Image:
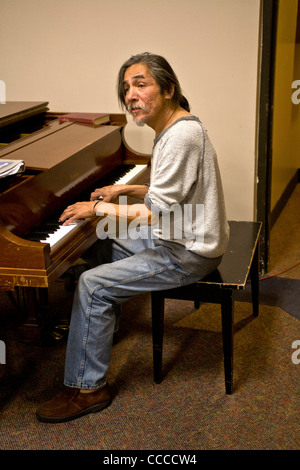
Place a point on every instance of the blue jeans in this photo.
(131, 267)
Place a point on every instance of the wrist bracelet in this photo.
(97, 202)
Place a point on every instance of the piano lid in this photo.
(75, 156)
(54, 144)
(15, 111)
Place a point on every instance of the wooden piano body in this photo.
(64, 163)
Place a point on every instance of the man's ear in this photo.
(169, 94)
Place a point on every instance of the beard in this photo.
(139, 122)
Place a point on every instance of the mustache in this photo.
(132, 106)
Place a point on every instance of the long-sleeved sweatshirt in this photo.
(186, 190)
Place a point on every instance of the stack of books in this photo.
(95, 119)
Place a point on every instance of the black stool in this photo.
(240, 260)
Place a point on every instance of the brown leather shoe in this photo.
(71, 404)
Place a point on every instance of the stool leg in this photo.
(227, 331)
(157, 334)
(255, 282)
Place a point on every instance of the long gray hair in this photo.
(162, 73)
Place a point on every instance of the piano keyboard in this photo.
(136, 170)
(56, 234)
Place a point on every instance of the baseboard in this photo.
(280, 204)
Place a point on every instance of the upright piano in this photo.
(64, 163)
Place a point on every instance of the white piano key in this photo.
(64, 231)
(61, 233)
(131, 174)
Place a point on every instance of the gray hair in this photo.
(162, 73)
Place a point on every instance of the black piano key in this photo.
(50, 226)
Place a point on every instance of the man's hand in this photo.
(80, 210)
(108, 193)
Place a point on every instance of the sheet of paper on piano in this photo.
(11, 167)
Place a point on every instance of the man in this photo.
(184, 175)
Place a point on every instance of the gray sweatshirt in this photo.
(186, 191)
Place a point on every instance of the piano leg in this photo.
(37, 314)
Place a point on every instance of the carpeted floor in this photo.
(189, 410)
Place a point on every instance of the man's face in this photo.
(143, 98)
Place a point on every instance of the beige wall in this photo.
(68, 52)
(286, 120)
